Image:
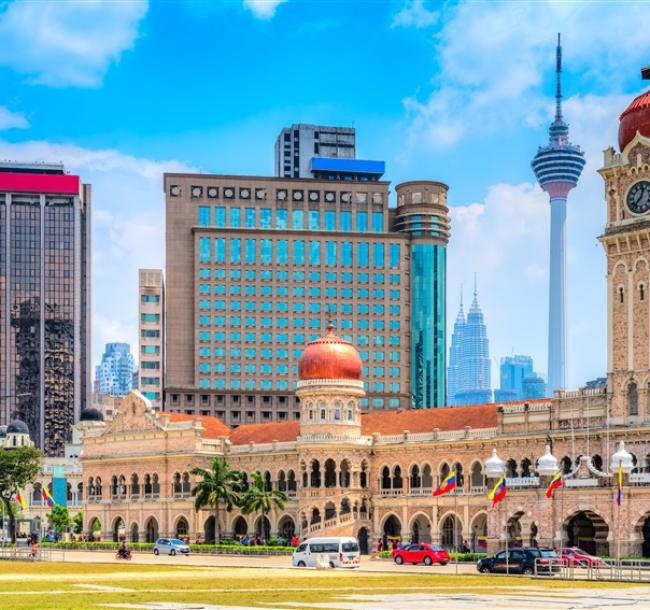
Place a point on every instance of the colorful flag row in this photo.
(19, 497)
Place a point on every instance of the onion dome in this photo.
(91, 415)
(494, 466)
(547, 465)
(636, 117)
(330, 357)
(17, 426)
(621, 457)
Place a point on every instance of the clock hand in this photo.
(644, 200)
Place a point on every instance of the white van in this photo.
(340, 552)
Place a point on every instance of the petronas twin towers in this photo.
(468, 375)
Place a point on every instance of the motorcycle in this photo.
(123, 554)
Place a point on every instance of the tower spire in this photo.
(475, 288)
(461, 296)
(558, 77)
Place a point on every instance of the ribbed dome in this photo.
(17, 426)
(91, 415)
(329, 357)
(636, 117)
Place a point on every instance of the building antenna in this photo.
(558, 77)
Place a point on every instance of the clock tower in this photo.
(626, 241)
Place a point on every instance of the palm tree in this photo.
(219, 486)
(259, 497)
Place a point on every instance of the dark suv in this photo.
(520, 561)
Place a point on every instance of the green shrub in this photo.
(227, 547)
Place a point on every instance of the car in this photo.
(170, 546)
(577, 558)
(421, 553)
(520, 561)
(335, 552)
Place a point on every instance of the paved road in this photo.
(243, 561)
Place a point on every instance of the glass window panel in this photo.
(330, 220)
(363, 255)
(282, 252)
(204, 249)
(250, 251)
(204, 216)
(314, 220)
(346, 221)
(266, 252)
(235, 218)
(298, 252)
(250, 218)
(297, 219)
(394, 255)
(330, 253)
(220, 217)
(378, 256)
(314, 252)
(235, 250)
(265, 218)
(220, 250)
(378, 222)
(281, 219)
(362, 222)
(346, 254)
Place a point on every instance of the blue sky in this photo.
(459, 92)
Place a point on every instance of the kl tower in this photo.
(557, 167)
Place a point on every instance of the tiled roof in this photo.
(214, 427)
(265, 433)
(425, 420)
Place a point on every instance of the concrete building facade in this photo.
(256, 266)
(151, 333)
(45, 296)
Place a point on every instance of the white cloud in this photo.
(491, 58)
(128, 215)
(68, 43)
(263, 9)
(415, 14)
(12, 120)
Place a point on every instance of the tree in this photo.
(219, 487)
(78, 523)
(18, 468)
(259, 497)
(59, 518)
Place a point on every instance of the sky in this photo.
(460, 92)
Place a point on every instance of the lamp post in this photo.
(547, 467)
(621, 460)
(495, 468)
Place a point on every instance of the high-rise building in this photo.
(557, 167)
(151, 333)
(454, 371)
(256, 266)
(518, 380)
(471, 358)
(296, 146)
(44, 300)
(114, 375)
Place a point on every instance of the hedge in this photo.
(221, 549)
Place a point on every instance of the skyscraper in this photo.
(470, 353)
(151, 308)
(557, 167)
(114, 375)
(44, 300)
(256, 266)
(518, 381)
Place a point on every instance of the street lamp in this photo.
(547, 467)
(622, 460)
(495, 468)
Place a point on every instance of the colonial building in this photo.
(372, 475)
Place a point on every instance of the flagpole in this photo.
(505, 529)
(456, 520)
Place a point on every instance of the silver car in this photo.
(170, 546)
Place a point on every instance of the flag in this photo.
(619, 495)
(499, 492)
(447, 485)
(555, 483)
(47, 497)
(21, 500)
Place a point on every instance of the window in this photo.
(249, 218)
(282, 252)
(266, 251)
(298, 252)
(235, 251)
(620, 294)
(220, 250)
(330, 253)
(297, 219)
(235, 218)
(641, 292)
(378, 222)
(345, 219)
(153, 349)
(314, 291)
(362, 222)
(394, 255)
(150, 317)
(204, 216)
(265, 218)
(314, 220)
(204, 249)
(281, 219)
(346, 254)
(632, 400)
(314, 252)
(362, 255)
(250, 251)
(330, 220)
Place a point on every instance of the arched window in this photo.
(98, 488)
(91, 489)
(186, 484)
(565, 464)
(155, 486)
(632, 399)
(315, 474)
(330, 473)
(363, 475)
(135, 486)
(291, 481)
(427, 477)
(244, 481)
(268, 483)
(460, 477)
(526, 467)
(176, 485)
(597, 462)
(385, 478)
(121, 487)
(282, 481)
(113, 487)
(641, 292)
(397, 478)
(620, 294)
(415, 479)
(344, 474)
(148, 490)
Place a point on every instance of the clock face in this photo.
(638, 197)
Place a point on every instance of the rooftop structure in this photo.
(557, 167)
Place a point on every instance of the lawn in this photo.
(96, 585)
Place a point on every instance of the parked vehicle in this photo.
(342, 552)
(520, 561)
(170, 546)
(577, 558)
(421, 553)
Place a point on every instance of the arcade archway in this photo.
(588, 531)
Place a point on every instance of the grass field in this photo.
(94, 585)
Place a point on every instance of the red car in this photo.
(578, 558)
(421, 553)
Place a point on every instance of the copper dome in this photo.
(329, 357)
(636, 117)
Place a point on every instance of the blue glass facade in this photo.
(428, 309)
